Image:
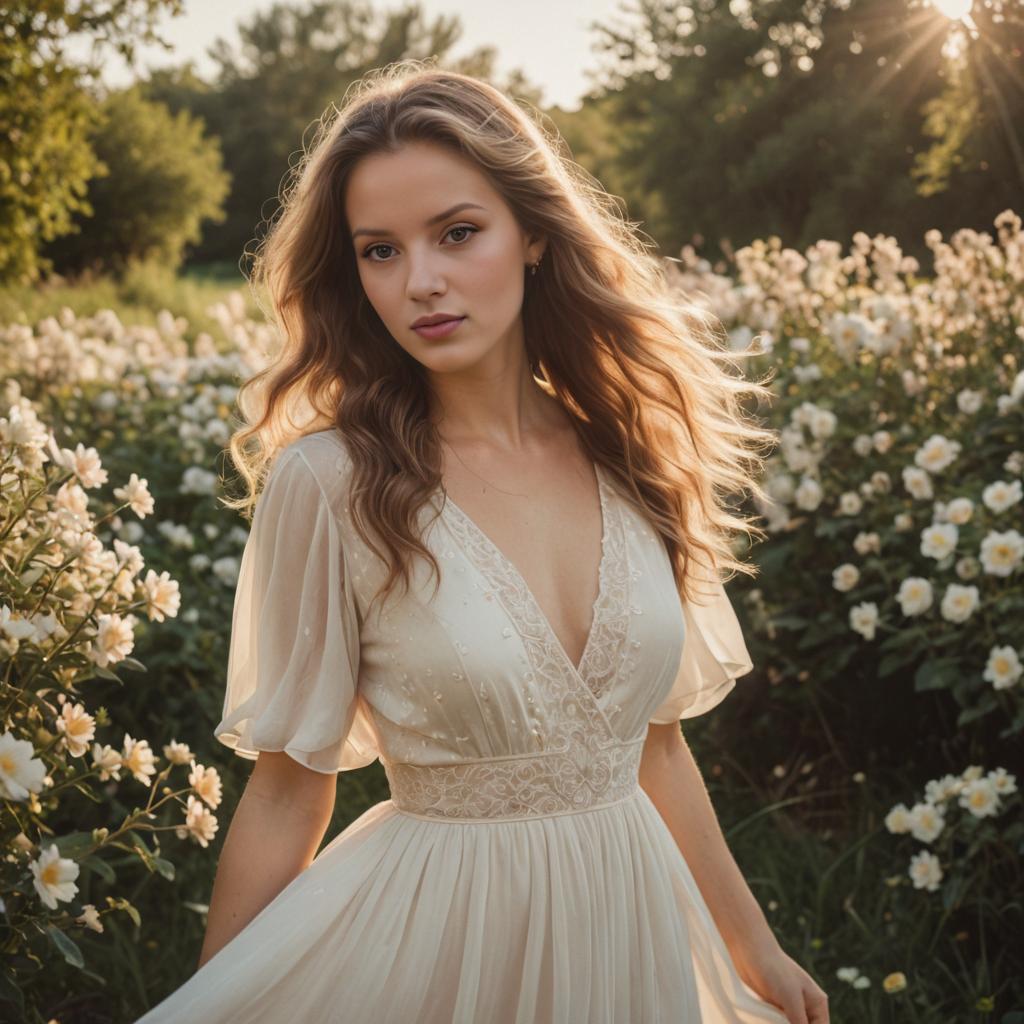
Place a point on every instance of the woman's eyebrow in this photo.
(433, 220)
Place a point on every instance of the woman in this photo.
(491, 374)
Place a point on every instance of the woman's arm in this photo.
(670, 777)
(274, 835)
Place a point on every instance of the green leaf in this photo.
(973, 714)
(131, 663)
(789, 622)
(66, 946)
(74, 845)
(937, 674)
(101, 868)
(165, 867)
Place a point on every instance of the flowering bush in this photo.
(70, 606)
(891, 596)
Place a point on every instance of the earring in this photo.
(534, 266)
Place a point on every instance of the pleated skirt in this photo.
(590, 916)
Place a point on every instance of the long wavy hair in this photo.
(647, 378)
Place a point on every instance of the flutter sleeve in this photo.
(293, 659)
(714, 655)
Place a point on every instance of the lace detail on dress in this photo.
(563, 686)
(602, 658)
(581, 778)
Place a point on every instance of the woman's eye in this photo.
(382, 245)
(463, 227)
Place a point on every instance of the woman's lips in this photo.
(441, 330)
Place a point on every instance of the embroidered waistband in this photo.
(532, 786)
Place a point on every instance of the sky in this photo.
(548, 39)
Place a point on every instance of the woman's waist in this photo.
(534, 785)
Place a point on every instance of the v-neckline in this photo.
(578, 670)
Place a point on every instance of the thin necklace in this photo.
(514, 494)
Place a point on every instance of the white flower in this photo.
(848, 974)
(939, 540)
(862, 981)
(54, 877)
(114, 639)
(1001, 495)
(1003, 668)
(849, 333)
(925, 871)
(845, 576)
(968, 567)
(823, 423)
(850, 503)
(903, 521)
(959, 603)
(21, 772)
(866, 543)
(979, 796)
(1004, 783)
(881, 482)
(917, 482)
(162, 595)
(177, 753)
(136, 494)
(1002, 553)
(926, 822)
(968, 401)
(897, 820)
(226, 569)
(85, 464)
(200, 824)
(915, 595)
(138, 759)
(937, 791)
(90, 918)
(882, 440)
(108, 760)
(862, 445)
(206, 783)
(959, 511)
(196, 480)
(77, 726)
(937, 453)
(15, 626)
(808, 494)
(864, 619)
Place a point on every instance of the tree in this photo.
(47, 113)
(290, 63)
(798, 118)
(161, 179)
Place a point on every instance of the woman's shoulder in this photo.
(324, 454)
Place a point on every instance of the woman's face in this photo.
(432, 235)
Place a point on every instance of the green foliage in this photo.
(733, 122)
(46, 115)
(161, 179)
(291, 62)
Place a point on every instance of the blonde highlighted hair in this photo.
(645, 376)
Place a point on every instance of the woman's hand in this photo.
(778, 978)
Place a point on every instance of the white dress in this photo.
(518, 873)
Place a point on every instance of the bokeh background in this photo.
(839, 182)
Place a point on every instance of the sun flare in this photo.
(955, 10)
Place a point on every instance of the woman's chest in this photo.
(470, 663)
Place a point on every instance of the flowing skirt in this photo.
(588, 916)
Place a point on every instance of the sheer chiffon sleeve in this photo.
(714, 655)
(293, 659)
